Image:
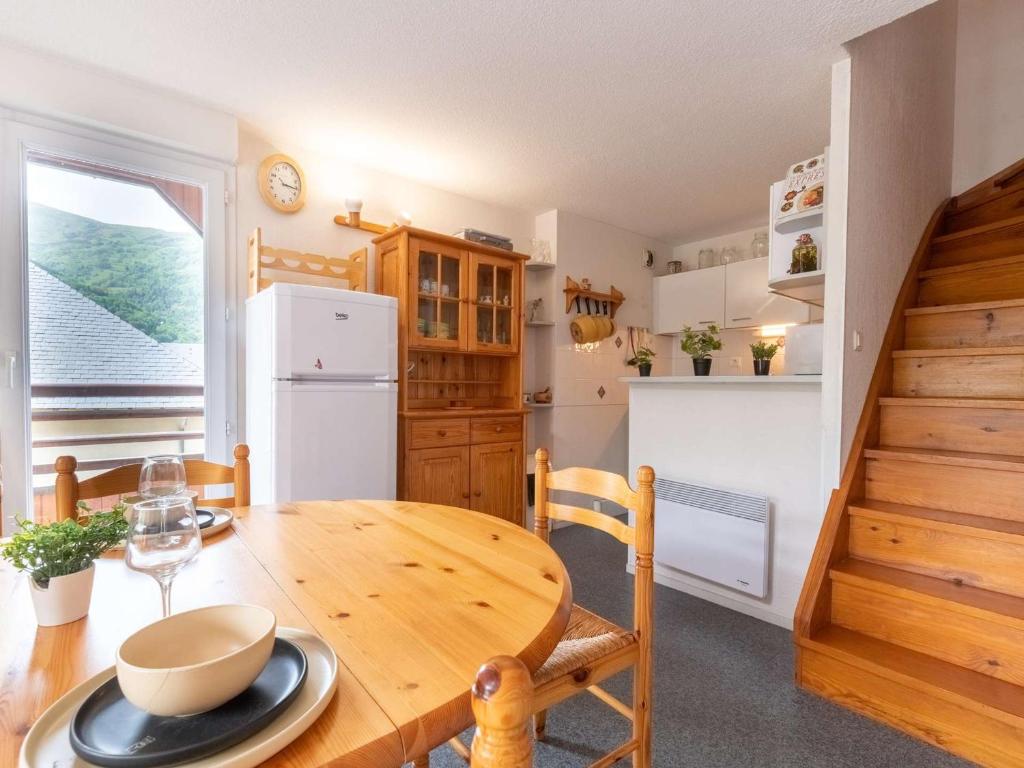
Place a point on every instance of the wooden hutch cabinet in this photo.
(460, 399)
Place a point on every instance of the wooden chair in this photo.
(124, 480)
(502, 703)
(592, 648)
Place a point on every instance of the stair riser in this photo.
(995, 376)
(1002, 207)
(969, 641)
(993, 283)
(1002, 327)
(993, 564)
(974, 430)
(1006, 241)
(935, 720)
(974, 491)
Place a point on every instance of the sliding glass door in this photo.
(114, 340)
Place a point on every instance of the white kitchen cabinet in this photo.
(695, 299)
(749, 303)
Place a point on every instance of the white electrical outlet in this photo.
(735, 363)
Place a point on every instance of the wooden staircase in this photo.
(912, 612)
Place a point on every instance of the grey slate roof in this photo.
(76, 341)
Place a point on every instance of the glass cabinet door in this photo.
(494, 314)
(438, 283)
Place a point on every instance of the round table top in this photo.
(412, 597)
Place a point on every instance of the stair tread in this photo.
(959, 352)
(973, 525)
(969, 307)
(973, 601)
(954, 402)
(918, 670)
(970, 266)
(981, 229)
(957, 458)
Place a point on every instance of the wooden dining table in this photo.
(412, 597)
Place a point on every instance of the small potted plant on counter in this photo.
(763, 353)
(58, 559)
(643, 360)
(699, 345)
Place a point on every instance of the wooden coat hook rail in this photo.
(597, 303)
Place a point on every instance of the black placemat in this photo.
(110, 731)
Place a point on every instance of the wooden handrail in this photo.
(814, 606)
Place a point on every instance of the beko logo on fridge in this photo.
(341, 315)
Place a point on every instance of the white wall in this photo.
(989, 125)
(587, 429)
(757, 437)
(900, 170)
(40, 85)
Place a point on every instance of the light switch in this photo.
(858, 342)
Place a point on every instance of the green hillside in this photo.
(148, 277)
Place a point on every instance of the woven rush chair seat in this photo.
(587, 638)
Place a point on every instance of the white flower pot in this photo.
(65, 599)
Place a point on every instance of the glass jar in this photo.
(727, 255)
(707, 258)
(759, 245)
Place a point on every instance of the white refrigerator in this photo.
(321, 394)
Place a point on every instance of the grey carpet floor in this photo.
(723, 688)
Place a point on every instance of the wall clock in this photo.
(282, 183)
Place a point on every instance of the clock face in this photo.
(285, 183)
(282, 183)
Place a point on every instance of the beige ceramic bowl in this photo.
(195, 661)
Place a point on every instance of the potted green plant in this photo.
(643, 360)
(763, 353)
(699, 345)
(58, 559)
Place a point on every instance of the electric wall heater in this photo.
(716, 534)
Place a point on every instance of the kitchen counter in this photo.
(759, 380)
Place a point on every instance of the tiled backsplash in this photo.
(591, 376)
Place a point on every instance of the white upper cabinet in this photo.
(749, 303)
(732, 296)
(695, 299)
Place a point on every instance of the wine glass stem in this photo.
(165, 593)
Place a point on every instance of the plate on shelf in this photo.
(48, 742)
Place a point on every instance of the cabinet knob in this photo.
(465, 495)
(442, 433)
(498, 429)
(476, 493)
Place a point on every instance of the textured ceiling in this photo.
(666, 117)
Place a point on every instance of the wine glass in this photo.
(162, 476)
(163, 536)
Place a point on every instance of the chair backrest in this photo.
(502, 705)
(612, 487)
(124, 481)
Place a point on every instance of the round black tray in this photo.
(205, 516)
(109, 731)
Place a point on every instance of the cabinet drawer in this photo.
(430, 433)
(498, 429)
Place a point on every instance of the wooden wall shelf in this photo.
(366, 226)
(574, 291)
